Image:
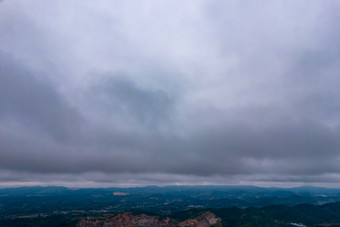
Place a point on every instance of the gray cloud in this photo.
(118, 94)
(34, 101)
(213, 92)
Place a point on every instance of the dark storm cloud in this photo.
(118, 94)
(32, 101)
(220, 92)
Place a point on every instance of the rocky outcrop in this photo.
(129, 220)
(204, 220)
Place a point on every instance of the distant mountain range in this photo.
(234, 205)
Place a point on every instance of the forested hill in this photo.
(234, 205)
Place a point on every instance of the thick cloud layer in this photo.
(169, 92)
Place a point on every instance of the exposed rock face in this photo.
(204, 220)
(120, 193)
(129, 220)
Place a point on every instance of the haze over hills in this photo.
(169, 206)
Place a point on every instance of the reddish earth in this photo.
(120, 193)
(206, 219)
(129, 220)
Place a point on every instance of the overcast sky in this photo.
(125, 93)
